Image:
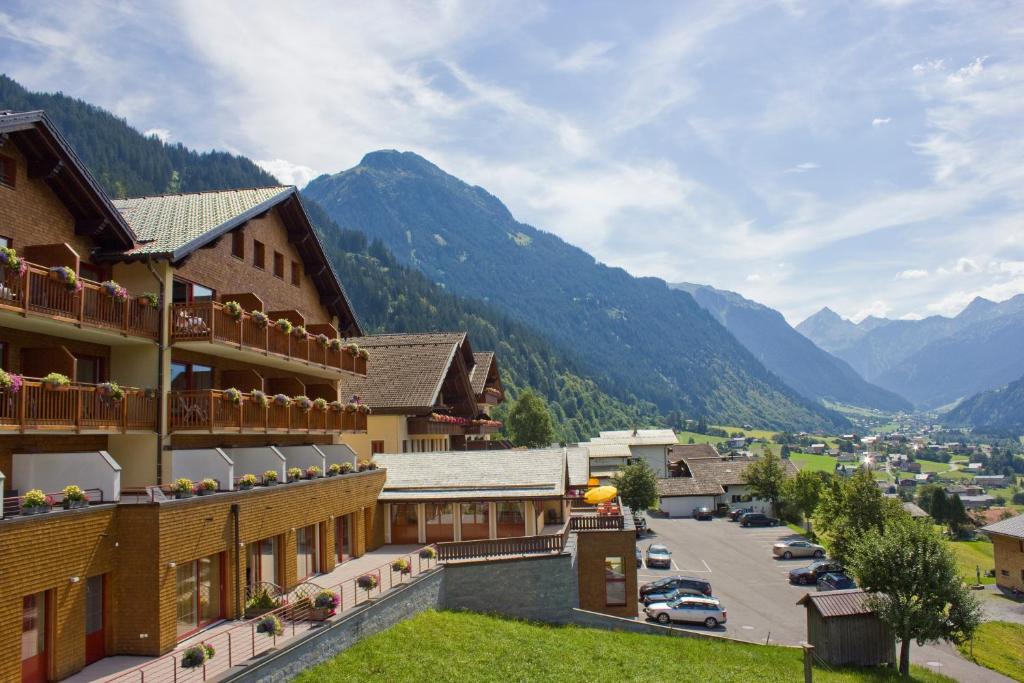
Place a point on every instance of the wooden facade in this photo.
(850, 635)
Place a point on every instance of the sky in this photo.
(865, 156)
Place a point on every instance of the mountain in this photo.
(813, 372)
(633, 336)
(998, 411)
(126, 163)
(387, 296)
(936, 360)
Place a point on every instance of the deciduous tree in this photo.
(765, 477)
(638, 486)
(846, 511)
(529, 422)
(803, 492)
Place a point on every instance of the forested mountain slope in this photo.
(999, 411)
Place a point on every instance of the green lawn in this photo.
(972, 554)
(684, 437)
(933, 466)
(450, 646)
(999, 645)
(815, 463)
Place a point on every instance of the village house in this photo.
(651, 445)
(1008, 551)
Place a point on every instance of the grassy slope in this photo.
(815, 463)
(999, 645)
(972, 554)
(447, 646)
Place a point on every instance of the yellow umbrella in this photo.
(592, 482)
(601, 494)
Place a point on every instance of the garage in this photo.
(680, 496)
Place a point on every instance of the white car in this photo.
(707, 611)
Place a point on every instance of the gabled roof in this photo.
(51, 158)
(485, 365)
(693, 451)
(405, 372)
(688, 486)
(730, 472)
(850, 602)
(607, 450)
(474, 475)
(579, 465)
(174, 226)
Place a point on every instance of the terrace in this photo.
(76, 408)
(95, 473)
(43, 298)
(217, 329)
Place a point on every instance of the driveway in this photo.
(754, 587)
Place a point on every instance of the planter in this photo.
(35, 510)
(253, 612)
(321, 614)
(75, 504)
(206, 492)
(244, 487)
(56, 386)
(182, 494)
(270, 482)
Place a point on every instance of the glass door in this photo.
(95, 619)
(33, 638)
(200, 585)
(342, 548)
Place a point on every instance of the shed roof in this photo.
(1014, 526)
(639, 437)
(842, 603)
(472, 475)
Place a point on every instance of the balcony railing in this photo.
(435, 425)
(501, 547)
(209, 321)
(36, 291)
(77, 407)
(14, 506)
(210, 410)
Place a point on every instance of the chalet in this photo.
(707, 482)
(977, 502)
(818, 448)
(421, 392)
(991, 480)
(1008, 551)
(651, 445)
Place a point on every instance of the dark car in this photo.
(672, 587)
(758, 519)
(734, 515)
(805, 576)
(835, 582)
(703, 513)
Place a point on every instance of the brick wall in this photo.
(215, 267)
(535, 588)
(1009, 557)
(592, 547)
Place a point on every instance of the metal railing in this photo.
(14, 505)
(210, 410)
(245, 641)
(38, 291)
(210, 321)
(75, 407)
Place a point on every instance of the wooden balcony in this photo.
(209, 323)
(480, 427)
(37, 294)
(76, 409)
(208, 411)
(546, 544)
(418, 426)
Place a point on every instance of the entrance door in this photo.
(342, 544)
(33, 639)
(95, 619)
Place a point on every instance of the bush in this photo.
(1018, 498)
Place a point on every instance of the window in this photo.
(8, 171)
(261, 562)
(199, 588)
(91, 272)
(296, 273)
(184, 292)
(33, 637)
(306, 555)
(3, 355)
(376, 447)
(89, 369)
(6, 242)
(475, 521)
(511, 521)
(238, 244)
(259, 254)
(404, 523)
(614, 581)
(278, 264)
(191, 377)
(440, 522)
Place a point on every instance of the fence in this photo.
(246, 640)
(499, 547)
(78, 407)
(211, 410)
(14, 505)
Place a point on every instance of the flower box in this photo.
(56, 382)
(35, 510)
(206, 492)
(321, 614)
(75, 504)
(183, 494)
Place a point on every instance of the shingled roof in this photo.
(1014, 526)
(481, 366)
(851, 602)
(405, 372)
(474, 475)
(688, 486)
(730, 472)
(693, 451)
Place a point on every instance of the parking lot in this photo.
(754, 587)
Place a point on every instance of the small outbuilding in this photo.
(845, 631)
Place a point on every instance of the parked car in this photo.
(672, 587)
(758, 519)
(659, 556)
(703, 513)
(835, 581)
(707, 611)
(736, 513)
(641, 525)
(639, 558)
(809, 574)
(787, 550)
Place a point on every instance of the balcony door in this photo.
(200, 591)
(95, 619)
(34, 638)
(191, 377)
(261, 563)
(184, 292)
(342, 538)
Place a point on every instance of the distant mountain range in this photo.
(931, 362)
(813, 372)
(635, 336)
(999, 411)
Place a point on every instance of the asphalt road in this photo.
(754, 587)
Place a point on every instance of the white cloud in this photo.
(911, 316)
(1012, 267)
(288, 173)
(588, 56)
(802, 168)
(879, 309)
(161, 134)
(877, 122)
(753, 277)
(912, 274)
(932, 65)
(954, 303)
(966, 265)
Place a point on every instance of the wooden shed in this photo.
(844, 631)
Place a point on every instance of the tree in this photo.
(956, 515)
(938, 504)
(702, 425)
(847, 510)
(765, 478)
(916, 588)
(803, 492)
(784, 451)
(529, 421)
(638, 486)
